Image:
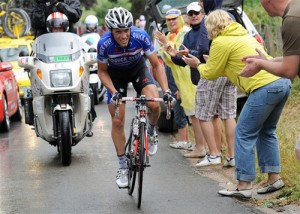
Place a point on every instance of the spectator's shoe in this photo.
(209, 160)
(195, 154)
(271, 187)
(122, 178)
(246, 193)
(181, 145)
(229, 162)
(152, 143)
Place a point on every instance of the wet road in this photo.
(32, 179)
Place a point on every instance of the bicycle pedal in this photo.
(148, 165)
(124, 187)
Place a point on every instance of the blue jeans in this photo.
(256, 126)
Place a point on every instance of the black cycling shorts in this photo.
(139, 76)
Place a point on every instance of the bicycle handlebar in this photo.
(143, 98)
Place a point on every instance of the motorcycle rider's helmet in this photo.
(118, 17)
(57, 22)
(91, 23)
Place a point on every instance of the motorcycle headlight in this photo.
(61, 78)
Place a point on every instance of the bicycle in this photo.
(137, 144)
(14, 22)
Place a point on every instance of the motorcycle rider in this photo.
(91, 37)
(57, 22)
(119, 62)
(43, 8)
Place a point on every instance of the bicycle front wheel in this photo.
(131, 162)
(142, 165)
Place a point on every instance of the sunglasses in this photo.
(191, 13)
(173, 19)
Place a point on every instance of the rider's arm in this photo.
(159, 72)
(105, 78)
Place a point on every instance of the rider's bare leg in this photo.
(151, 91)
(117, 130)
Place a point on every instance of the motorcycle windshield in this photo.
(58, 47)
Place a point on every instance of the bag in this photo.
(195, 76)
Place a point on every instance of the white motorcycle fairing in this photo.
(59, 77)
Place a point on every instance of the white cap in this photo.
(193, 6)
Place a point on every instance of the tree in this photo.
(138, 8)
(103, 6)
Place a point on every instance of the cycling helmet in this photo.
(91, 23)
(57, 20)
(118, 17)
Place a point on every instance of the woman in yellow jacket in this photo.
(177, 30)
(257, 122)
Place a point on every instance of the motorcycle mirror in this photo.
(26, 62)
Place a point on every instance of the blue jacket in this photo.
(197, 42)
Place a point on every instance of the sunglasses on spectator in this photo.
(191, 13)
(173, 19)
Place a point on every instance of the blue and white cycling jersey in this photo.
(117, 57)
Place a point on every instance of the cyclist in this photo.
(119, 62)
(91, 37)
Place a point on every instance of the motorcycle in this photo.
(90, 44)
(59, 75)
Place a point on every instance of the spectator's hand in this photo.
(116, 99)
(252, 64)
(172, 51)
(177, 94)
(205, 57)
(161, 38)
(169, 98)
(259, 56)
(185, 51)
(191, 60)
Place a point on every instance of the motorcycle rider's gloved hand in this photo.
(169, 98)
(115, 98)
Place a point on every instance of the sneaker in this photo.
(181, 145)
(122, 178)
(229, 162)
(153, 141)
(209, 160)
(196, 154)
(271, 187)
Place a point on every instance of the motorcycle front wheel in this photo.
(65, 141)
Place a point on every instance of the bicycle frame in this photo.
(139, 157)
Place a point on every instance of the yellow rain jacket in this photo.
(181, 75)
(225, 55)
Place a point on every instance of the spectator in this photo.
(179, 116)
(256, 127)
(142, 22)
(289, 65)
(187, 90)
(42, 9)
(215, 99)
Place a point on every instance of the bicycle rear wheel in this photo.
(131, 162)
(142, 154)
(16, 23)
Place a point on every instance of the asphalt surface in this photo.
(32, 179)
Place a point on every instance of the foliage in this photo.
(102, 7)
(259, 16)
